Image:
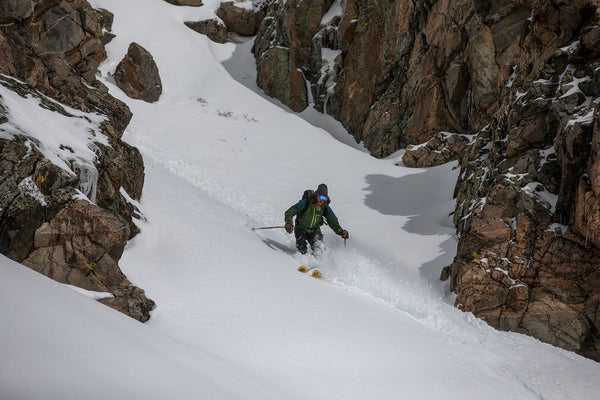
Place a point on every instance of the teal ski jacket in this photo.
(312, 219)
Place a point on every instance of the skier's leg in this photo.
(316, 242)
(301, 237)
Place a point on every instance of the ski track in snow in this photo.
(348, 267)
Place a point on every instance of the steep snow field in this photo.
(234, 319)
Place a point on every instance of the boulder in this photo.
(212, 28)
(241, 20)
(137, 75)
(130, 301)
(591, 40)
(442, 148)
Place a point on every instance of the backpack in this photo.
(307, 195)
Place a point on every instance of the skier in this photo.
(311, 212)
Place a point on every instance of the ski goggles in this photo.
(323, 198)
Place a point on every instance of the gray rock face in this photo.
(54, 49)
(138, 76)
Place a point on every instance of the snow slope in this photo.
(234, 319)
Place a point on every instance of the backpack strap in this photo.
(303, 210)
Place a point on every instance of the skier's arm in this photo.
(333, 222)
(293, 210)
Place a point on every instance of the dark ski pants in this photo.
(303, 238)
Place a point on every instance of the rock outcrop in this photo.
(394, 73)
(440, 149)
(242, 20)
(527, 258)
(239, 18)
(285, 53)
(516, 83)
(215, 30)
(137, 75)
(71, 221)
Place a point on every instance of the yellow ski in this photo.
(315, 272)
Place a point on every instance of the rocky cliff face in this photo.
(510, 88)
(53, 49)
(360, 61)
(527, 197)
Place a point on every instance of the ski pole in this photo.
(268, 227)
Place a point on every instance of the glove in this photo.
(289, 227)
(344, 234)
